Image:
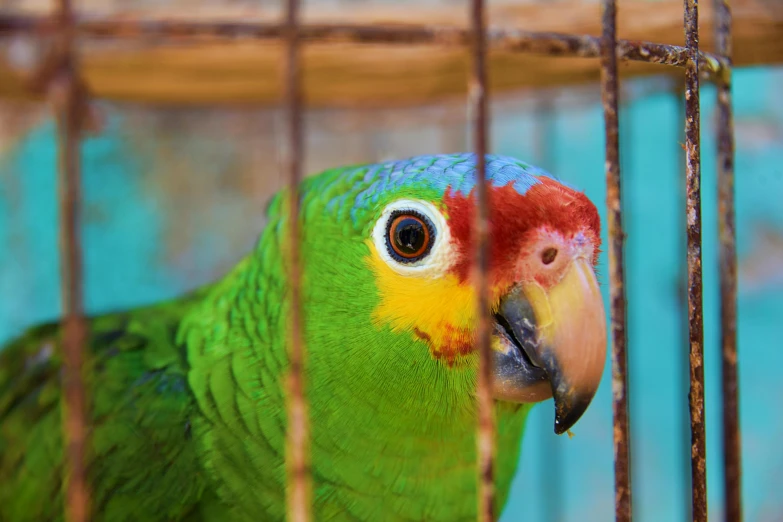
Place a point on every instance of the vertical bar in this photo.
(683, 430)
(486, 426)
(728, 274)
(74, 328)
(622, 475)
(693, 230)
(297, 458)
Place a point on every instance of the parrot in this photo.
(187, 397)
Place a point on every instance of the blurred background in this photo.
(177, 177)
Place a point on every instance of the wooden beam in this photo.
(345, 74)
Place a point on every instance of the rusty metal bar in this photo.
(297, 455)
(682, 371)
(547, 43)
(64, 89)
(617, 306)
(486, 420)
(728, 274)
(693, 217)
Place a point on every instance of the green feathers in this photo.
(143, 464)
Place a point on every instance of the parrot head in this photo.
(410, 224)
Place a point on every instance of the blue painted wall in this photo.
(132, 219)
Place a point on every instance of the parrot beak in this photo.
(552, 343)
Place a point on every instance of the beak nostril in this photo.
(548, 256)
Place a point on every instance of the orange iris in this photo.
(409, 236)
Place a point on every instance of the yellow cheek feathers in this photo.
(439, 311)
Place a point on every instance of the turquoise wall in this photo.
(144, 242)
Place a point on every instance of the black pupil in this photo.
(409, 236)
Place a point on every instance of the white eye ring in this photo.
(436, 260)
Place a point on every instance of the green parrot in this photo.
(187, 403)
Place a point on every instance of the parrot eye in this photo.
(409, 235)
(413, 238)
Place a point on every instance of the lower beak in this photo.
(552, 343)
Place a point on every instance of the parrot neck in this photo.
(393, 431)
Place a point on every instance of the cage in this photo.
(60, 79)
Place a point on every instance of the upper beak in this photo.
(552, 343)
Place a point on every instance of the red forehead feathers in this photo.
(515, 217)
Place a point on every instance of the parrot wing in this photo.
(142, 464)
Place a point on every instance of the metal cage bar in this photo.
(694, 241)
(297, 434)
(547, 43)
(65, 91)
(682, 371)
(486, 421)
(732, 475)
(617, 307)
(68, 92)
